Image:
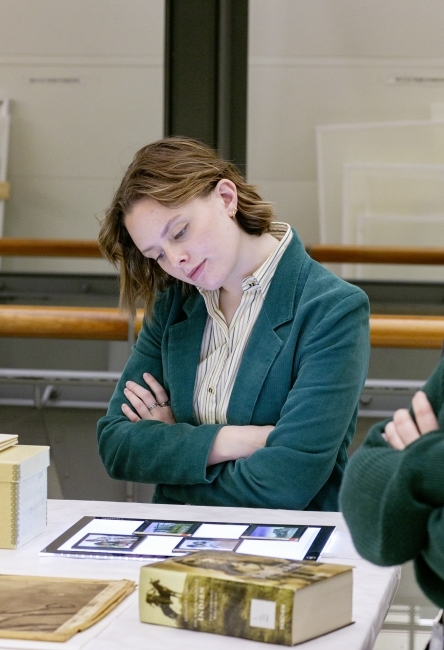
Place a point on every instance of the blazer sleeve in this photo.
(393, 501)
(152, 451)
(302, 451)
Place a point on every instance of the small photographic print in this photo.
(276, 532)
(108, 542)
(200, 544)
(169, 528)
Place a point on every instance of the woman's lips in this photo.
(195, 273)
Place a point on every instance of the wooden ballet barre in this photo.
(376, 254)
(388, 331)
(110, 324)
(49, 247)
(320, 252)
(96, 323)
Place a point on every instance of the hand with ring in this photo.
(152, 404)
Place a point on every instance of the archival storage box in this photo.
(249, 596)
(23, 493)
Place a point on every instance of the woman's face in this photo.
(198, 243)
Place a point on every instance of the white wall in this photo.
(85, 80)
(329, 61)
(310, 62)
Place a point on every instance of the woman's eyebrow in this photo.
(169, 224)
(165, 229)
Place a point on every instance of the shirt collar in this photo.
(262, 277)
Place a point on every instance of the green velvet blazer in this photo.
(303, 370)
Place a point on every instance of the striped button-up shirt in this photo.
(222, 346)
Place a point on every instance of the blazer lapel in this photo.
(265, 343)
(260, 353)
(184, 343)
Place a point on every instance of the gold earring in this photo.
(233, 214)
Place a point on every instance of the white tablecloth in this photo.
(373, 590)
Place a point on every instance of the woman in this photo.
(393, 492)
(256, 354)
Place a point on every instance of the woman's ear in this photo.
(227, 191)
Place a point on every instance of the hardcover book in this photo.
(253, 597)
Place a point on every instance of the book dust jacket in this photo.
(245, 596)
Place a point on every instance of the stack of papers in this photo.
(7, 440)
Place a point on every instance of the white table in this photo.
(374, 587)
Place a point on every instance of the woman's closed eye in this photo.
(181, 233)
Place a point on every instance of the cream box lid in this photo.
(21, 461)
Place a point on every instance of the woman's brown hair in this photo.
(171, 171)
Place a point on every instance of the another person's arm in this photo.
(392, 496)
(403, 430)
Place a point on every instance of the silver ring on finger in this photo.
(166, 403)
(153, 406)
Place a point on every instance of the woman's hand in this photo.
(402, 431)
(152, 404)
(234, 442)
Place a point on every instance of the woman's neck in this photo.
(255, 251)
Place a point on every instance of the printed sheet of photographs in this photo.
(103, 537)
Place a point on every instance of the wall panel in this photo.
(85, 80)
(327, 62)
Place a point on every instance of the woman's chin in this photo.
(208, 286)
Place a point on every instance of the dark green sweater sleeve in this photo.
(393, 501)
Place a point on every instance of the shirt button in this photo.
(211, 390)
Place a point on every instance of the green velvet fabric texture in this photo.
(303, 370)
(393, 501)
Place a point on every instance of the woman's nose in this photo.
(178, 258)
